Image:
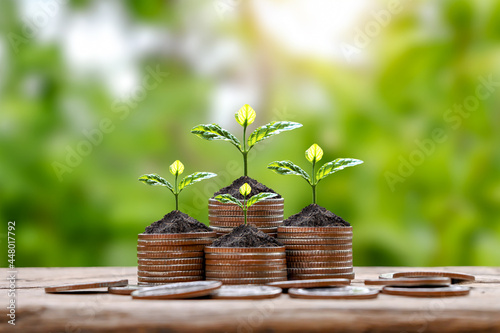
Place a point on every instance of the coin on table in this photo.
(401, 282)
(313, 283)
(427, 292)
(454, 276)
(347, 292)
(125, 290)
(178, 290)
(246, 292)
(83, 286)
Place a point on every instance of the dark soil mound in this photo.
(246, 236)
(234, 188)
(176, 222)
(315, 216)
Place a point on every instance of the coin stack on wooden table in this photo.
(266, 215)
(317, 252)
(240, 265)
(167, 258)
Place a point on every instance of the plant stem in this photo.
(313, 177)
(245, 208)
(176, 193)
(245, 152)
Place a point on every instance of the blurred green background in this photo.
(399, 86)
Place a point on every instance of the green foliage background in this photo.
(445, 213)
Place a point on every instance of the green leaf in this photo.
(259, 197)
(245, 116)
(215, 132)
(194, 178)
(228, 198)
(156, 180)
(245, 189)
(176, 168)
(271, 129)
(314, 153)
(334, 166)
(288, 168)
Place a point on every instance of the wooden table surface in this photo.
(40, 312)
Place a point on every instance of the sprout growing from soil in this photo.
(313, 155)
(245, 116)
(245, 190)
(176, 169)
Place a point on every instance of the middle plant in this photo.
(268, 214)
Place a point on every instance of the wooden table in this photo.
(40, 312)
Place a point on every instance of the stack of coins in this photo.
(317, 252)
(266, 215)
(242, 265)
(167, 258)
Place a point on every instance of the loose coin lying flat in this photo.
(427, 292)
(348, 292)
(454, 276)
(246, 292)
(178, 290)
(81, 286)
(126, 290)
(400, 282)
(310, 283)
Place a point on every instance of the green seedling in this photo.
(176, 169)
(245, 116)
(245, 190)
(313, 155)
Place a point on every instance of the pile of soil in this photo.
(246, 236)
(234, 188)
(315, 216)
(176, 222)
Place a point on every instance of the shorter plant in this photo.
(313, 155)
(245, 116)
(176, 169)
(245, 190)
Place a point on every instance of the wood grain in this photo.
(40, 312)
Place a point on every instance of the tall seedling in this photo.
(245, 116)
(176, 169)
(314, 154)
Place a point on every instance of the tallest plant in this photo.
(245, 117)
